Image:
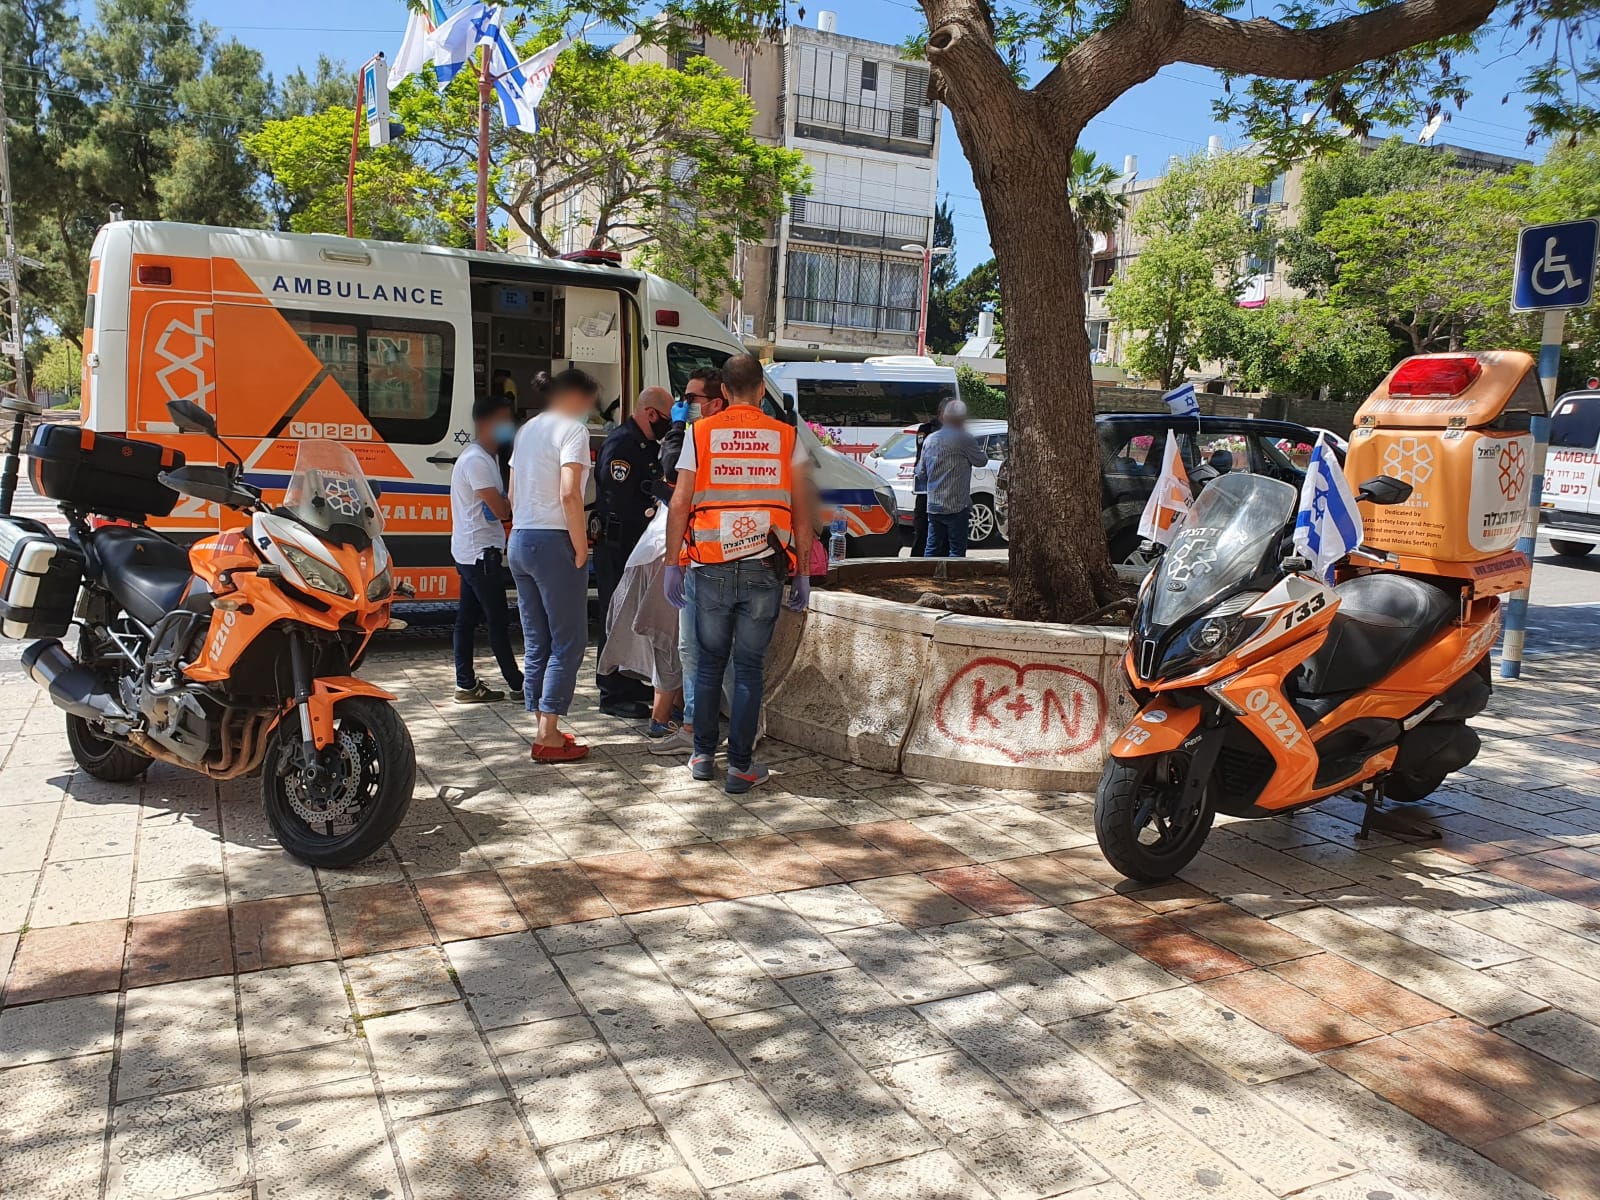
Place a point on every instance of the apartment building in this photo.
(1276, 204)
(841, 276)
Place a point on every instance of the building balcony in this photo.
(908, 129)
(843, 225)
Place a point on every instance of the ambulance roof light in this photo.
(1443, 375)
(604, 258)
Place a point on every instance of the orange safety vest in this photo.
(743, 486)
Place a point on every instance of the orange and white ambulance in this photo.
(382, 346)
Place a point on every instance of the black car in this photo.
(1131, 446)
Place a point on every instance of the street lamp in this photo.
(929, 253)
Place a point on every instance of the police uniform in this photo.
(625, 473)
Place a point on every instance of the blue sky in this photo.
(1171, 114)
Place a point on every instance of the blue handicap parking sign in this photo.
(1556, 265)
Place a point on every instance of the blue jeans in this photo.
(689, 656)
(483, 600)
(735, 608)
(553, 595)
(947, 534)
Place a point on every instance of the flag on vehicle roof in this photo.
(1182, 401)
(1168, 506)
(414, 52)
(1328, 524)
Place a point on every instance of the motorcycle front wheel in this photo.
(361, 790)
(1144, 828)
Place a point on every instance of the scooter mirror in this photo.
(189, 417)
(1385, 489)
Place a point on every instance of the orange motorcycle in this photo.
(1263, 688)
(233, 656)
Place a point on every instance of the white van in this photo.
(382, 346)
(1570, 507)
(858, 406)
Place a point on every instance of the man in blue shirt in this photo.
(945, 472)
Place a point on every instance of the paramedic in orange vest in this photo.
(733, 516)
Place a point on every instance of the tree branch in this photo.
(1263, 47)
(1154, 33)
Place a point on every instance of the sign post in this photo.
(1555, 272)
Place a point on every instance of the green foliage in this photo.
(983, 400)
(1179, 294)
(58, 368)
(1297, 347)
(953, 316)
(1431, 262)
(664, 159)
(144, 108)
(1099, 209)
(1344, 174)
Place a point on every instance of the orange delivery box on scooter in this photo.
(1456, 428)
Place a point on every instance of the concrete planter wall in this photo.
(960, 699)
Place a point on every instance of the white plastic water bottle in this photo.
(836, 540)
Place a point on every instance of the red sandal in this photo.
(568, 751)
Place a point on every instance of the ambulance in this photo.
(284, 337)
(1570, 503)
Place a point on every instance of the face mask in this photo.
(695, 411)
(505, 432)
(660, 427)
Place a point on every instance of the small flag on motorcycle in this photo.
(1328, 525)
(1168, 506)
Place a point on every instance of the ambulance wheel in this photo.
(101, 757)
(1570, 549)
(1137, 817)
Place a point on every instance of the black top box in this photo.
(101, 473)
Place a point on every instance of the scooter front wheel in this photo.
(348, 808)
(1145, 828)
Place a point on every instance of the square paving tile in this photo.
(181, 1144)
(479, 1153)
(54, 1029)
(471, 905)
(177, 1036)
(52, 1127)
(430, 1060)
(188, 943)
(384, 916)
(289, 1008)
(280, 932)
(728, 1131)
(400, 979)
(67, 961)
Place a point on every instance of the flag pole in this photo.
(485, 96)
(355, 142)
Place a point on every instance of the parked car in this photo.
(1131, 446)
(1571, 501)
(895, 463)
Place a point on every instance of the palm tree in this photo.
(1097, 207)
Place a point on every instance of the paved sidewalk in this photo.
(606, 980)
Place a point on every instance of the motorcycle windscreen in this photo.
(329, 493)
(1231, 525)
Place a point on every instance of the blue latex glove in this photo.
(680, 411)
(672, 584)
(799, 593)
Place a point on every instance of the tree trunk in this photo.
(1060, 570)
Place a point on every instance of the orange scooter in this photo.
(1262, 688)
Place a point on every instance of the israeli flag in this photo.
(454, 42)
(1182, 401)
(521, 85)
(414, 50)
(1328, 525)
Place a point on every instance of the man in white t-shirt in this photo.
(478, 512)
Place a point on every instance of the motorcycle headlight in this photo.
(380, 587)
(317, 573)
(1212, 637)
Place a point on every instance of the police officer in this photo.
(624, 475)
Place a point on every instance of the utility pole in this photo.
(20, 406)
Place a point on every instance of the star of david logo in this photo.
(461, 437)
(1513, 470)
(1410, 459)
(743, 527)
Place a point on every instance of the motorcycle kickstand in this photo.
(1388, 820)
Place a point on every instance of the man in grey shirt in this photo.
(945, 472)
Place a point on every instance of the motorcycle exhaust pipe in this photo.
(71, 686)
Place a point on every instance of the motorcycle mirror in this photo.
(1385, 489)
(189, 417)
(1296, 562)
